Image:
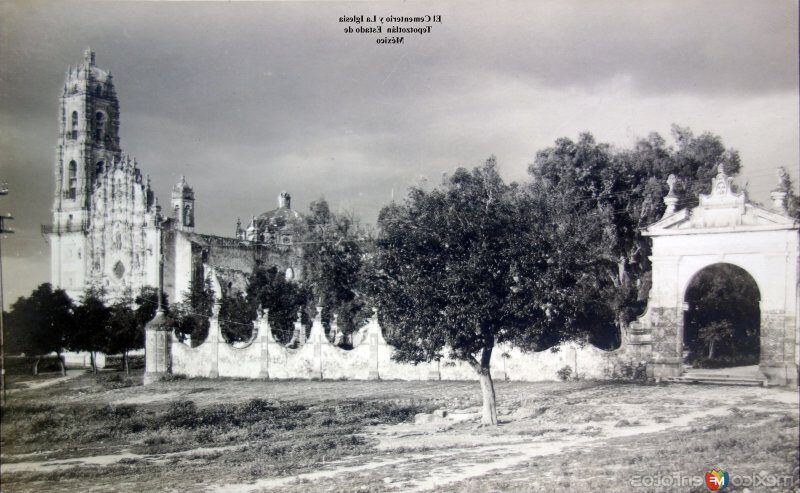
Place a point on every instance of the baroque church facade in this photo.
(107, 225)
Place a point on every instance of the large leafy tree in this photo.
(474, 263)
(625, 189)
(39, 324)
(128, 320)
(284, 299)
(124, 333)
(92, 325)
(191, 315)
(332, 265)
(792, 200)
(267, 288)
(236, 316)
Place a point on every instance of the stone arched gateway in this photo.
(723, 228)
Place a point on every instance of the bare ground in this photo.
(552, 437)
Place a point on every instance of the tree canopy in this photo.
(91, 329)
(471, 264)
(191, 315)
(624, 189)
(333, 258)
(284, 300)
(41, 323)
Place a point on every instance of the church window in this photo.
(73, 179)
(99, 168)
(98, 126)
(74, 133)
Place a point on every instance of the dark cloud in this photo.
(247, 99)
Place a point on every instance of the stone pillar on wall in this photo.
(778, 345)
(318, 340)
(375, 341)
(665, 333)
(434, 372)
(264, 339)
(336, 333)
(214, 338)
(299, 335)
(158, 338)
(655, 337)
(638, 342)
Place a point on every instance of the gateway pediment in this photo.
(722, 210)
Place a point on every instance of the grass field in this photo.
(109, 433)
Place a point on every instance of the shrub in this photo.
(565, 373)
(116, 381)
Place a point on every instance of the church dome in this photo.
(182, 189)
(277, 226)
(281, 214)
(96, 73)
(280, 217)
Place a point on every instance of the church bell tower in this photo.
(88, 143)
(183, 205)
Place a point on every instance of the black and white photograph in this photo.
(399, 246)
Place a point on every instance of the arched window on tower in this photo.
(187, 215)
(99, 168)
(73, 180)
(74, 132)
(99, 120)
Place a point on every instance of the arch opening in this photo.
(722, 316)
(99, 121)
(74, 127)
(72, 176)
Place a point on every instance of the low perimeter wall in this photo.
(371, 358)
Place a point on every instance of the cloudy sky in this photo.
(249, 98)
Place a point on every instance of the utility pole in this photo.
(3, 230)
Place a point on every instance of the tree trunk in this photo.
(61, 364)
(711, 350)
(125, 362)
(487, 387)
(489, 403)
(36, 366)
(623, 331)
(94, 361)
(621, 281)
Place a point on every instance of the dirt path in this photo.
(46, 383)
(439, 467)
(103, 460)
